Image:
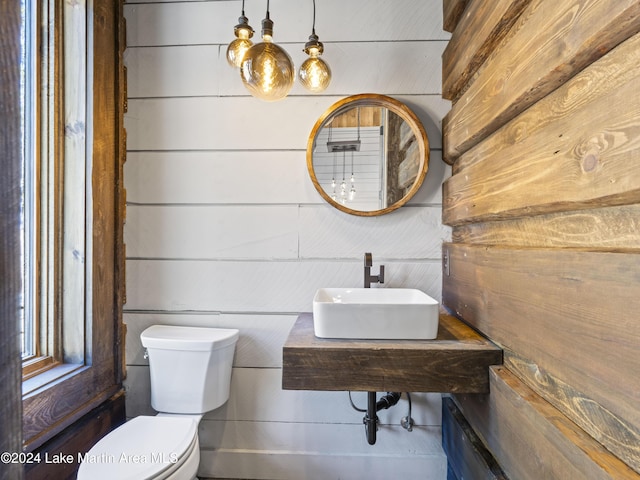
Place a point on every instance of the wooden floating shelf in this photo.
(457, 361)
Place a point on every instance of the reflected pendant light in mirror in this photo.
(314, 73)
(266, 69)
(238, 47)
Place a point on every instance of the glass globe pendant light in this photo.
(314, 73)
(266, 69)
(237, 48)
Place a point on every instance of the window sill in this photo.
(50, 377)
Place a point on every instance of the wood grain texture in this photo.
(574, 149)
(467, 456)
(10, 242)
(612, 229)
(531, 439)
(571, 314)
(482, 28)
(120, 195)
(76, 440)
(577, 32)
(456, 361)
(594, 419)
(452, 11)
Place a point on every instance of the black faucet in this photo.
(368, 278)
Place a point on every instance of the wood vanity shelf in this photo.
(457, 361)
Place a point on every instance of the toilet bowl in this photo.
(190, 371)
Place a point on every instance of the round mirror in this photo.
(368, 154)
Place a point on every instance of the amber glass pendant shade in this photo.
(314, 73)
(267, 70)
(238, 47)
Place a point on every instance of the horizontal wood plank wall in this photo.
(225, 229)
(571, 315)
(531, 439)
(544, 200)
(575, 34)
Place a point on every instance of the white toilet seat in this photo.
(145, 448)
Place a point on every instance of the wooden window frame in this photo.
(70, 389)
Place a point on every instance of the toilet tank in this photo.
(190, 367)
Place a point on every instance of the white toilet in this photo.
(190, 375)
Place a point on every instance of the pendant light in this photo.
(266, 69)
(237, 48)
(314, 74)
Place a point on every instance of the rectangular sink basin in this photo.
(375, 313)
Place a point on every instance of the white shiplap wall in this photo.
(224, 227)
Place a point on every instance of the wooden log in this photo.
(452, 11)
(456, 361)
(532, 440)
(574, 149)
(467, 456)
(482, 28)
(589, 415)
(526, 69)
(572, 315)
(612, 229)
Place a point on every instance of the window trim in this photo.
(50, 408)
(44, 179)
(10, 268)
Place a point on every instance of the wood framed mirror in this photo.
(368, 154)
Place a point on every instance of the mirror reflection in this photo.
(368, 154)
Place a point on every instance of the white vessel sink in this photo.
(375, 313)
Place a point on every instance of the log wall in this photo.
(544, 142)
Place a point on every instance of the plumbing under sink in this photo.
(375, 313)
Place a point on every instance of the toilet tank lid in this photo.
(169, 337)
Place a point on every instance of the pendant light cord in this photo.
(313, 28)
(243, 8)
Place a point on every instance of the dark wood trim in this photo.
(10, 270)
(77, 440)
(467, 456)
(456, 361)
